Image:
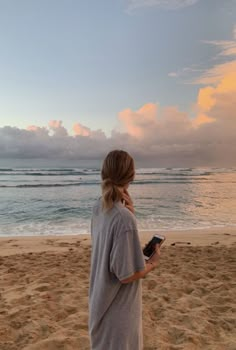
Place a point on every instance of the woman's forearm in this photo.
(140, 274)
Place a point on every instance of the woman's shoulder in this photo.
(125, 218)
(97, 206)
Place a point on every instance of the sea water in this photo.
(42, 201)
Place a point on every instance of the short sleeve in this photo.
(126, 255)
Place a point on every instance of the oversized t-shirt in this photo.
(115, 309)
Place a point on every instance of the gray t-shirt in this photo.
(115, 309)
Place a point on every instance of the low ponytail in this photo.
(110, 193)
(117, 171)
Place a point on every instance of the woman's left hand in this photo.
(128, 201)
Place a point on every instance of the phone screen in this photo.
(150, 247)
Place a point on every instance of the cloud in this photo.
(164, 4)
(220, 102)
(185, 72)
(173, 74)
(202, 119)
(156, 136)
(81, 130)
(226, 47)
(172, 140)
(215, 74)
(152, 125)
(212, 75)
(38, 129)
(57, 128)
(36, 142)
(137, 123)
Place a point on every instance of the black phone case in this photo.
(150, 247)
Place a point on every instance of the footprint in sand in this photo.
(64, 244)
(43, 287)
(151, 284)
(215, 243)
(53, 342)
(50, 241)
(188, 289)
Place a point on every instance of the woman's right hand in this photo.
(156, 256)
(128, 201)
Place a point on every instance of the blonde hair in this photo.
(117, 171)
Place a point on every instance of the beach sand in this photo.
(188, 301)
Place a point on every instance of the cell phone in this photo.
(149, 249)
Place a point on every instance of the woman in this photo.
(117, 262)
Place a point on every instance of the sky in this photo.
(154, 77)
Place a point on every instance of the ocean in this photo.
(58, 201)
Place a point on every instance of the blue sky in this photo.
(86, 61)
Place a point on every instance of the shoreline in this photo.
(196, 237)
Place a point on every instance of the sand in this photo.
(188, 301)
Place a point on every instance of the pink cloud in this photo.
(81, 130)
(136, 123)
(220, 100)
(37, 129)
(215, 74)
(166, 136)
(57, 128)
